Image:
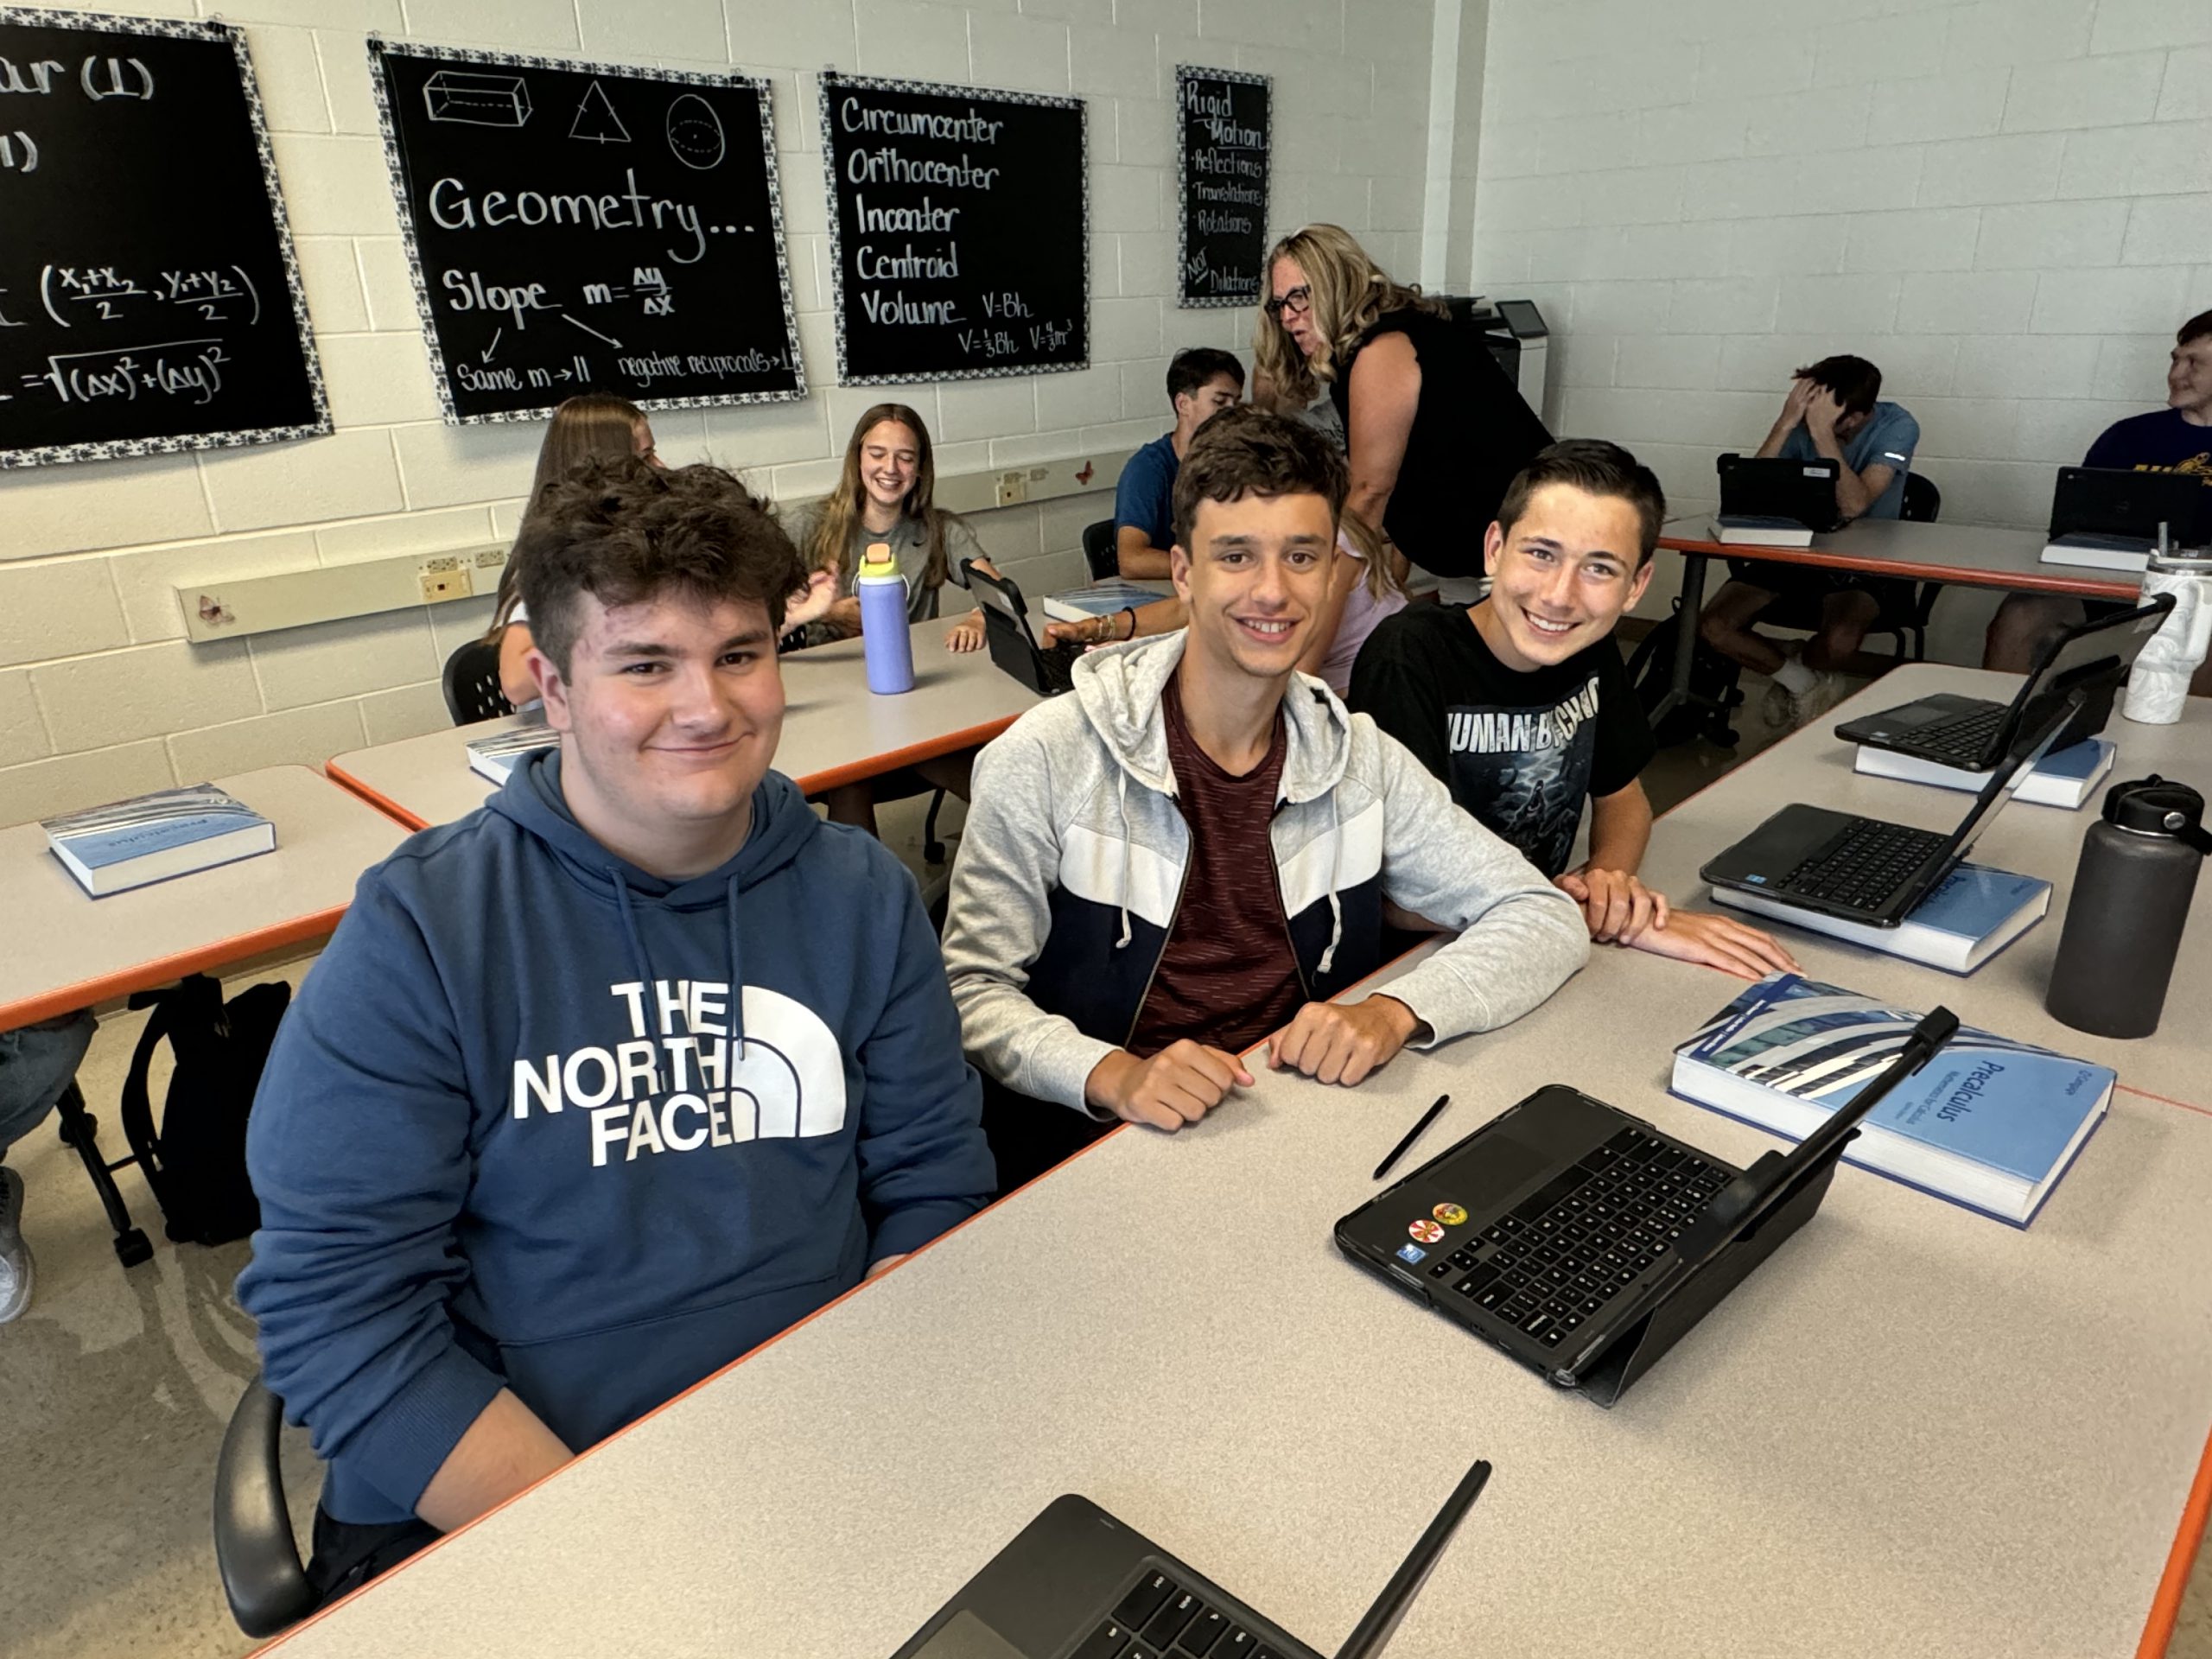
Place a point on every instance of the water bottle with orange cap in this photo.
(885, 640)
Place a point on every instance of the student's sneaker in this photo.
(14, 1254)
(1828, 691)
(1774, 708)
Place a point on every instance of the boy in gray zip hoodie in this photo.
(1189, 853)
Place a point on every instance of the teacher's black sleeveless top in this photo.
(1471, 434)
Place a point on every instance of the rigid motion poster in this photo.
(959, 224)
(584, 227)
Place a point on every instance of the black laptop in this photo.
(1013, 642)
(1077, 1584)
(1584, 1242)
(1869, 870)
(1974, 732)
(2116, 509)
(1771, 493)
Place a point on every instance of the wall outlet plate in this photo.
(1013, 487)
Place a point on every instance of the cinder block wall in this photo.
(2006, 205)
(101, 696)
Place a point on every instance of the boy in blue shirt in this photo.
(1201, 383)
(611, 1081)
(1834, 412)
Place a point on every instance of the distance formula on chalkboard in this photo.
(150, 302)
(1222, 131)
(959, 223)
(579, 227)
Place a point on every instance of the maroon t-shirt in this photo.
(1228, 976)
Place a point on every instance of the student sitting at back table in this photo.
(1201, 383)
(887, 493)
(611, 1080)
(1363, 588)
(1832, 412)
(2175, 439)
(1522, 706)
(1191, 851)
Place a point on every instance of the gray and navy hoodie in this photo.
(1072, 863)
(542, 1120)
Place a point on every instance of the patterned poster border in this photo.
(946, 89)
(1185, 299)
(759, 85)
(116, 448)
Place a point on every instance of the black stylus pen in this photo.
(1412, 1135)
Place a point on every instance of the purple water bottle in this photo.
(884, 639)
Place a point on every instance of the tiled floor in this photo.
(115, 1387)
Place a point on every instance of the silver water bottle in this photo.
(2130, 903)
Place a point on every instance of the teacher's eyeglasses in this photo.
(1296, 303)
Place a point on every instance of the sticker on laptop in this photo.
(1450, 1214)
(1426, 1231)
(1412, 1254)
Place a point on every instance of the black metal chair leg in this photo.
(932, 848)
(80, 1130)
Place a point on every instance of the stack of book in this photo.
(1974, 913)
(494, 755)
(152, 837)
(2065, 778)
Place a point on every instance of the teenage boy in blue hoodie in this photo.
(1189, 855)
(608, 1082)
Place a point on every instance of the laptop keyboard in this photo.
(1160, 1619)
(1057, 662)
(1963, 739)
(1863, 866)
(1570, 1247)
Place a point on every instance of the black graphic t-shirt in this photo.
(1520, 752)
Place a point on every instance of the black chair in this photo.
(1907, 622)
(471, 682)
(263, 1578)
(1099, 551)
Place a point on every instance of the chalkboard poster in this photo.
(584, 227)
(1221, 124)
(959, 227)
(149, 303)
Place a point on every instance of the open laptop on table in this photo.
(1013, 642)
(1077, 1584)
(2109, 517)
(1794, 498)
(1584, 1242)
(1869, 870)
(1974, 732)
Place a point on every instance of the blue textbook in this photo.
(1988, 1123)
(152, 837)
(1974, 912)
(2065, 778)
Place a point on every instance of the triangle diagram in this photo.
(596, 121)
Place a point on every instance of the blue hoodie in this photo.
(506, 1138)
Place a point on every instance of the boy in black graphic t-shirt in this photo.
(1522, 706)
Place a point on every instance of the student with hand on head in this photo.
(2175, 439)
(1189, 853)
(1201, 383)
(603, 1085)
(1834, 412)
(887, 493)
(1522, 706)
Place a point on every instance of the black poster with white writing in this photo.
(150, 302)
(582, 227)
(959, 226)
(1221, 125)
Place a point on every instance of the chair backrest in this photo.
(1099, 551)
(471, 684)
(1923, 500)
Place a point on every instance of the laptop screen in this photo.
(2113, 641)
(1004, 598)
(2012, 771)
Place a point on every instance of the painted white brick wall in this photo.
(100, 696)
(2007, 205)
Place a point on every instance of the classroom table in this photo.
(69, 950)
(1913, 1431)
(1978, 556)
(2005, 993)
(836, 731)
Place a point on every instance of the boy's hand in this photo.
(1180, 1085)
(1718, 941)
(1338, 1043)
(1822, 411)
(1800, 394)
(1618, 907)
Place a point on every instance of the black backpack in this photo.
(195, 1163)
(1651, 669)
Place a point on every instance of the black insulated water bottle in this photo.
(2130, 904)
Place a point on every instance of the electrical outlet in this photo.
(490, 559)
(1013, 487)
(439, 585)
